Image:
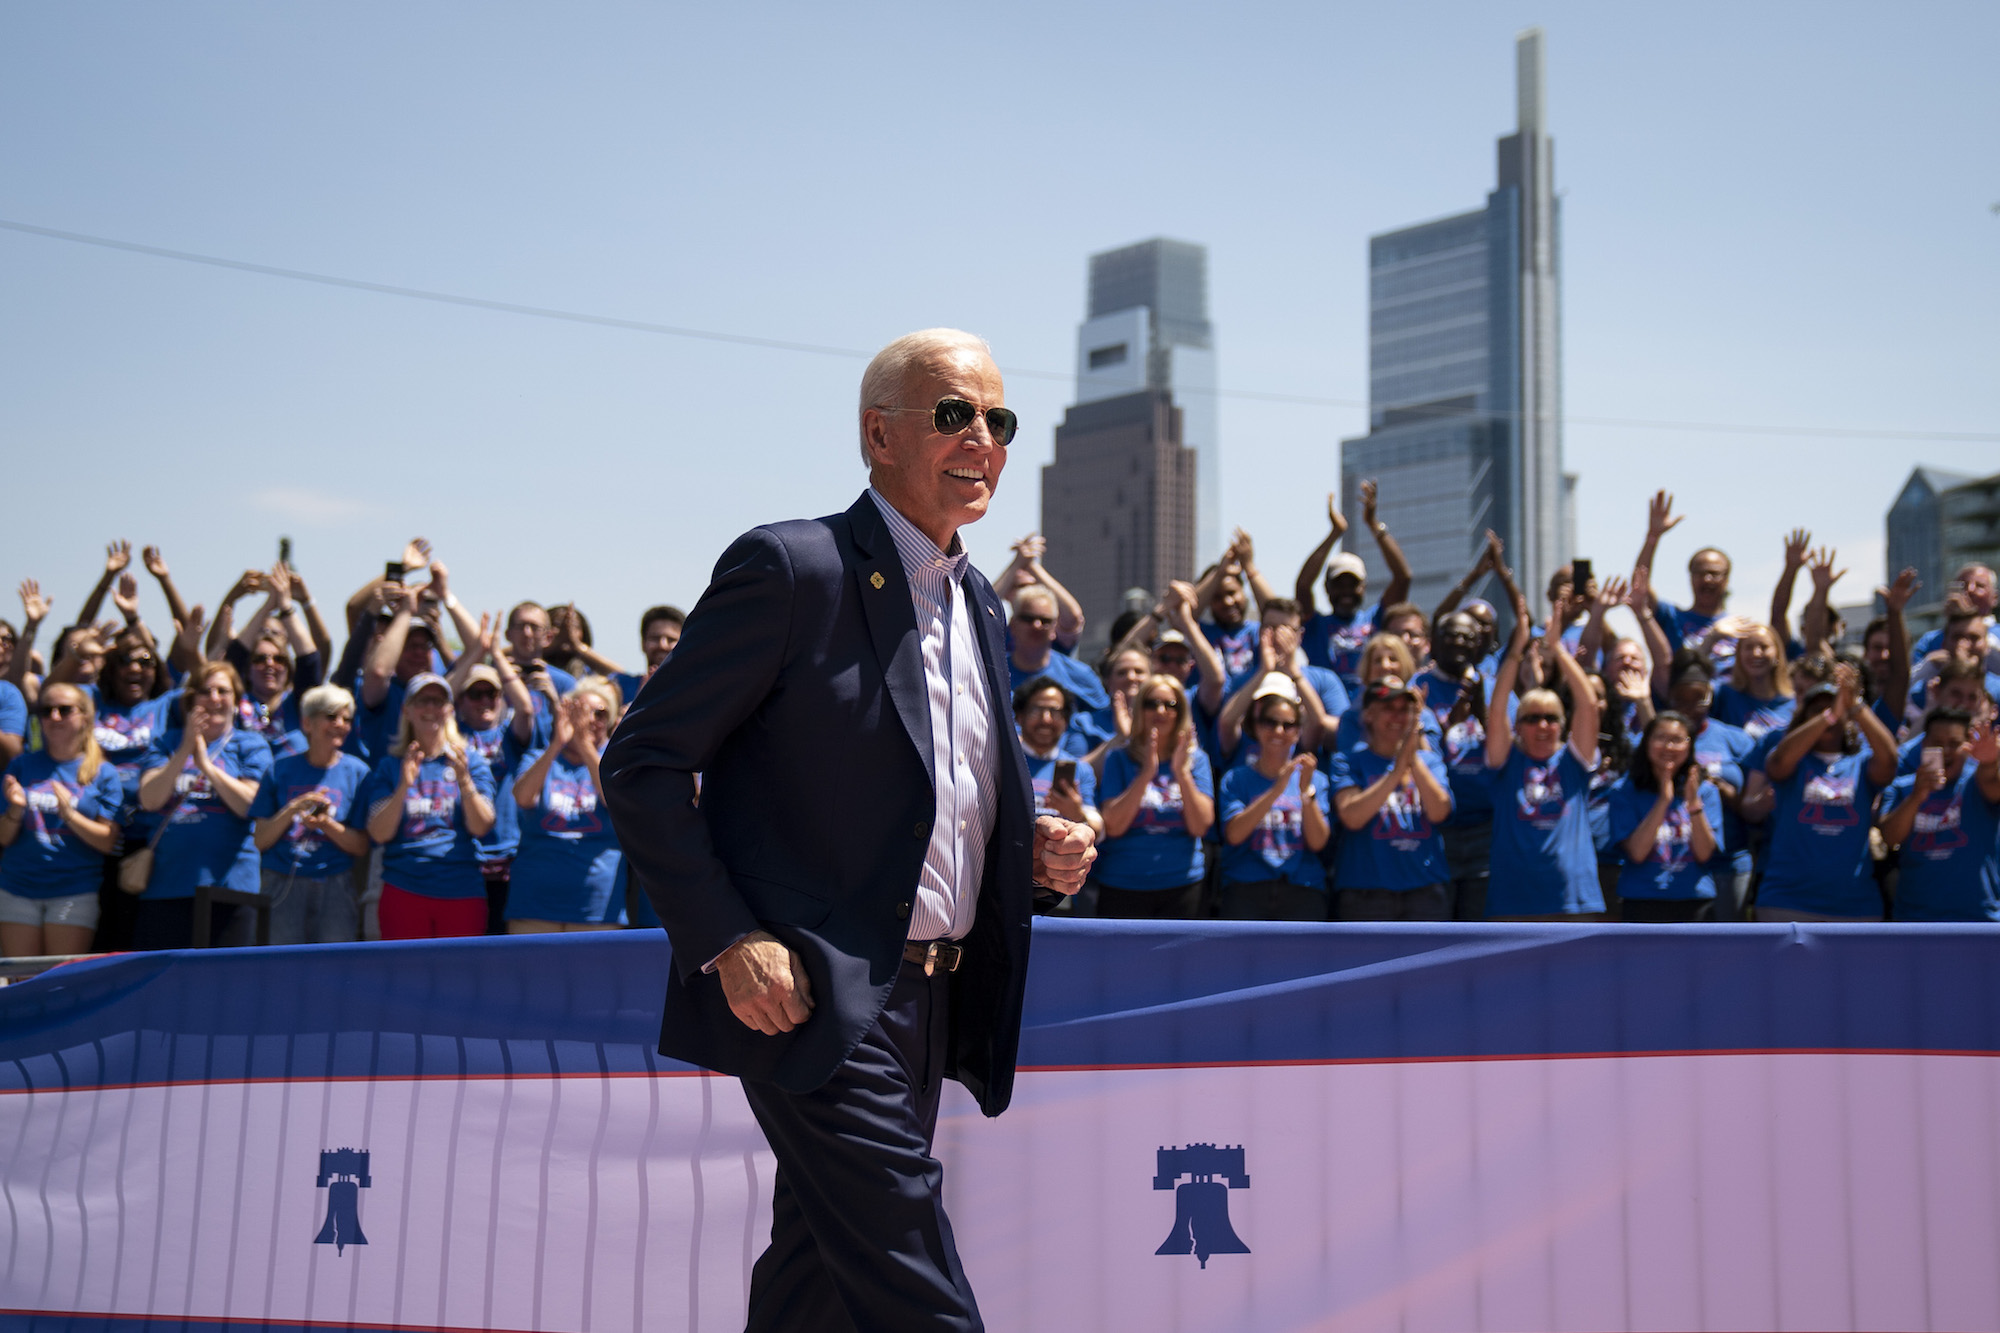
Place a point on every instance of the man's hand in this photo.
(1063, 853)
(1660, 516)
(116, 556)
(765, 983)
(1897, 595)
(1334, 517)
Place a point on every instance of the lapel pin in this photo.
(876, 579)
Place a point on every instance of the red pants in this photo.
(411, 916)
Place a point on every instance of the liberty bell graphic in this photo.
(343, 1174)
(1201, 1206)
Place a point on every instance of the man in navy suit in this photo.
(849, 902)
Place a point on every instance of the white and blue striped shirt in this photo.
(963, 748)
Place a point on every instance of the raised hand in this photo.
(1660, 516)
(1333, 514)
(488, 628)
(1985, 745)
(126, 596)
(1797, 543)
(1898, 594)
(1246, 549)
(116, 556)
(156, 564)
(65, 799)
(34, 606)
(1822, 571)
(279, 583)
(1305, 765)
(413, 762)
(1849, 698)
(1285, 640)
(1640, 595)
(1610, 593)
(196, 626)
(1121, 713)
(1368, 503)
(565, 725)
(416, 555)
(440, 582)
(1691, 789)
(16, 794)
(1631, 685)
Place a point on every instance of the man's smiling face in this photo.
(939, 482)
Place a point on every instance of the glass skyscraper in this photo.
(1465, 375)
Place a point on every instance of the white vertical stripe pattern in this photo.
(962, 745)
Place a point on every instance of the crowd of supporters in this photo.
(1332, 754)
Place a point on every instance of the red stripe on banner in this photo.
(1033, 1069)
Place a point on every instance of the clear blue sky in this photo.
(1773, 214)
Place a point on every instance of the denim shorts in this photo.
(75, 909)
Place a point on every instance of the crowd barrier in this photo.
(1216, 1126)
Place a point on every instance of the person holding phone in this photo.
(307, 830)
(1946, 818)
(1043, 711)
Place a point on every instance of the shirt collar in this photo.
(916, 550)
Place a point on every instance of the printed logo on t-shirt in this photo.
(45, 815)
(569, 805)
(1540, 799)
(1829, 803)
(1940, 827)
(1465, 746)
(197, 795)
(1344, 644)
(1401, 822)
(429, 805)
(1282, 833)
(1670, 845)
(303, 843)
(1160, 807)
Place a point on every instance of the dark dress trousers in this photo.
(797, 692)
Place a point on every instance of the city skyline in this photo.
(708, 171)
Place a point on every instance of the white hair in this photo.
(325, 701)
(889, 373)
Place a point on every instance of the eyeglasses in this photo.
(599, 715)
(954, 416)
(1163, 706)
(140, 659)
(1278, 724)
(267, 659)
(481, 694)
(1044, 710)
(1525, 719)
(58, 710)
(1039, 622)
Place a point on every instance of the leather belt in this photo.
(935, 955)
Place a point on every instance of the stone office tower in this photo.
(1465, 377)
(1122, 504)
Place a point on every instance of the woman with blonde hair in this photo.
(431, 798)
(201, 781)
(64, 798)
(1383, 655)
(1150, 862)
(565, 874)
(1758, 694)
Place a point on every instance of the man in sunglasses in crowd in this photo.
(1033, 627)
(846, 944)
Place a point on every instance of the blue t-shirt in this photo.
(567, 868)
(1543, 859)
(1463, 747)
(1155, 851)
(1238, 650)
(1276, 848)
(375, 728)
(1687, 628)
(302, 851)
(1819, 858)
(502, 753)
(1671, 872)
(1042, 772)
(125, 733)
(271, 721)
(1067, 672)
(1331, 689)
(1951, 860)
(13, 710)
(1729, 754)
(431, 855)
(1933, 640)
(1088, 730)
(204, 841)
(1335, 642)
(628, 683)
(1756, 717)
(47, 860)
(1400, 848)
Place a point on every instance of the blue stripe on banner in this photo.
(1102, 994)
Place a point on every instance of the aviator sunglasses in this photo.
(954, 416)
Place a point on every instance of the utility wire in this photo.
(821, 349)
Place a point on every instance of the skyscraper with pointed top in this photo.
(1465, 374)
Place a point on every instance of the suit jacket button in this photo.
(902, 911)
(922, 829)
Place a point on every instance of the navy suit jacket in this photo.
(797, 692)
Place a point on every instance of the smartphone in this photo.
(1065, 772)
(393, 571)
(1579, 575)
(285, 552)
(1934, 758)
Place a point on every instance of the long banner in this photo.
(1216, 1126)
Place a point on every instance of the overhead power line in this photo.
(822, 349)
